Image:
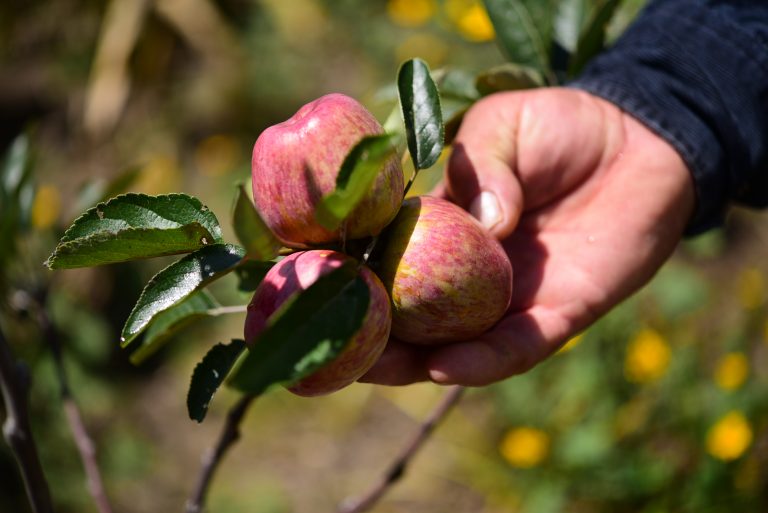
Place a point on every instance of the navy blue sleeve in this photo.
(696, 73)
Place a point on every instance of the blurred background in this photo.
(660, 407)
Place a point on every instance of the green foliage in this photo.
(170, 321)
(508, 77)
(306, 332)
(420, 103)
(356, 177)
(259, 241)
(209, 374)
(135, 226)
(16, 194)
(522, 40)
(177, 282)
(250, 273)
(592, 39)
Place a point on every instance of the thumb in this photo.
(480, 176)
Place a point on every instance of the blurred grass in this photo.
(660, 407)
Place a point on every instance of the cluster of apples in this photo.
(439, 277)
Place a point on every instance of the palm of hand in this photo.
(592, 203)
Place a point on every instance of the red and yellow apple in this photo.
(295, 273)
(448, 278)
(295, 163)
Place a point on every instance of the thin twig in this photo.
(83, 441)
(229, 435)
(224, 310)
(15, 383)
(367, 500)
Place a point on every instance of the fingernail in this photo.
(485, 208)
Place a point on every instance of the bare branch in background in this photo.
(24, 301)
(396, 471)
(15, 383)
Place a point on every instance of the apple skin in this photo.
(448, 278)
(298, 271)
(295, 164)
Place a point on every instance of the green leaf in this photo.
(250, 273)
(177, 282)
(456, 83)
(16, 195)
(570, 18)
(420, 103)
(306, 332)
(168, 322)
(520, 39)
(356, 177)
(208, 376)
(508, 77)
(134, 226)
(592, 40)
(15, 168)
(251, 230)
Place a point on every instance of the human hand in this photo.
(588, 203)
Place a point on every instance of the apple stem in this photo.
(369, 249)
(398, 467)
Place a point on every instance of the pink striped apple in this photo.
(295, 163)
(448, 278)
(297, 272)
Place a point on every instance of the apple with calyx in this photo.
(448, 278)
(295, 163)
(295, 273)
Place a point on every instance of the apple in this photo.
(298, 271)
(448, 278)
(295, 164)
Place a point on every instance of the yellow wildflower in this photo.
(732, 371)
(471, 20)
(571, 343)
(729, 437)
(46, 207)
(648, 356)
(751, 288)
(411, 13)
(525, 447)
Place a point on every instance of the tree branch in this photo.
(399, 466)
(83, 441)
(15, 383)
(211, 460)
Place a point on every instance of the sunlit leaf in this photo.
(420, 103)
(592, 39)
(356, 177)
(306, 332)
(134, 226)
(167, 323)
(570, 18)
(177, 281)
(258, 240)
(520, 38)
(208, 376)
(508, 77)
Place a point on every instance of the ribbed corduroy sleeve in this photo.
(696, 73)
